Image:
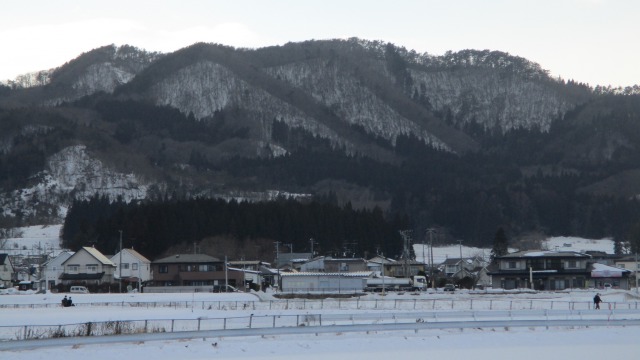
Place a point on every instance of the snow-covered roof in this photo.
(98, 255)
(546, 253)
(602, 270)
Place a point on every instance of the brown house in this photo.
(192, 270)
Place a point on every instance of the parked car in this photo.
(79, 290)
(450, 287)
(607, 286)
(224, 288)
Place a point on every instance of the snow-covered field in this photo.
(479, 344)
(525, 343)
(34, 240)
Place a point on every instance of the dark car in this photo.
(450, 287)
(223, 288)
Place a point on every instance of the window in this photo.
(92, 268)
(572, 264)
(134, 266)
(125, 266)
(163, 269)
(73, 268)
(512, 265)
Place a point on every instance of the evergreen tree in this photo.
(500, 245)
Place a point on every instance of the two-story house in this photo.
(541, 270)
(132, 267)
(53, 269)
(193, 270)
(6, 271)
(87, 266)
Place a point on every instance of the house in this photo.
(629, 262)
(132, 267)
(332, 265)
(348, 282)
(192, 272)
(314, 265)
(549, 270)
(6, 271)
(53, 269)
(603, 275)
(462, 267)
(292, 260)
(403, 268)
(256, 274)
(87, 266)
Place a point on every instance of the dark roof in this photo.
(3, 258)
(452, 261)
(187, 258)
(528, 254)
(96, 276)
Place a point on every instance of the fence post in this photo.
(250, 320)
(199, 324)
(297, 320)
(172, 321)
(224, 325)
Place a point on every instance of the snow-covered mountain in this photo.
(365, 121)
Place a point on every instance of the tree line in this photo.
(153, 227)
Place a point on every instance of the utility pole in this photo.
(277, 262)
(226, 275)
(637, 269)
(430, 231)
(406, 237)
(120, 264)
(312, 254)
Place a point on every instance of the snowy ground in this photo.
(479, 344)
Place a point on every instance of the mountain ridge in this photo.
(364, 119)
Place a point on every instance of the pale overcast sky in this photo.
(590, 41)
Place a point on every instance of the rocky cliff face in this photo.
(70, 174)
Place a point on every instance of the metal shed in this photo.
(324, 282)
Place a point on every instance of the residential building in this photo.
(332, 265)
(403, 268)
(132, 267)
(605, 277)
(6, 271)
(53, 269)
(549, 270)
(87, 266)
(462, 267)
(192, 270)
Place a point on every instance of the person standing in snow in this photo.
(596, 301)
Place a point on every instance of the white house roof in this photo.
(137, 255)
(62, 256)
(98, 255)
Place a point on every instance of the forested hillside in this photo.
(467, 142)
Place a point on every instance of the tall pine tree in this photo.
(500, 245)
